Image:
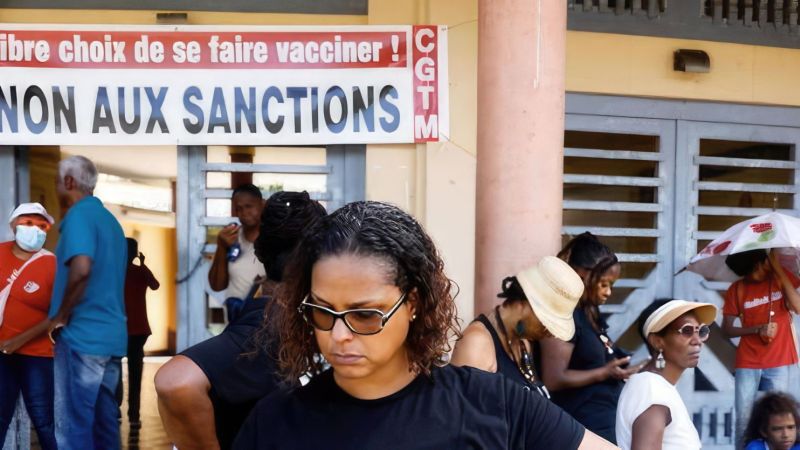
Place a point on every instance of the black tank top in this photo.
(507, 366)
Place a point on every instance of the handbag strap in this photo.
(6, 292)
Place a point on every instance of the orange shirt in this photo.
(753, 309)
(29, 300)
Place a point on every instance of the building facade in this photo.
(680, 119)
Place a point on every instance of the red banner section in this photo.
(426, 82)
(97, 49)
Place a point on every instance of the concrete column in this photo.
(521, 54)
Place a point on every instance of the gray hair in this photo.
(81, 169)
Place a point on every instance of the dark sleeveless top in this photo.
(505, 365)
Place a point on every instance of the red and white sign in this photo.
(161, 85)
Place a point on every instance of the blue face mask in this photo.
(30, 238)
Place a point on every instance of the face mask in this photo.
(30, 238)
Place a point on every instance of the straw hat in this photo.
(663, 316)
(553, 289)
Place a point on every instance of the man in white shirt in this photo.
(235, 266)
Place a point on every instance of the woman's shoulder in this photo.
(644, 386)
(467, 382)
(475, 348)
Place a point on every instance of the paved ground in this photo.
(152, 435)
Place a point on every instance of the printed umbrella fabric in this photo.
(773, 230)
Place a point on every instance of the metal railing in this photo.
(649, 8)
(779, 13)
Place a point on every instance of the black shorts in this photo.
(239, 374)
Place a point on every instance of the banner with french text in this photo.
(222, 85)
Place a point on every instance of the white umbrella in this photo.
(772, 230)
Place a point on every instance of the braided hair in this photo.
(283, 221)
(511, 291)
(586, 252)
(370, 229)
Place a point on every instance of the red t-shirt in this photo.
(137, 280)
(753, 309)
(29, 300)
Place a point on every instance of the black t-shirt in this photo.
(454, 408)
(594, 405)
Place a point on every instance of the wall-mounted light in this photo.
(696, 61)
(172, 18)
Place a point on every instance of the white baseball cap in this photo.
(31, 208)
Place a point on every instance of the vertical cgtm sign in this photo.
(427, 83)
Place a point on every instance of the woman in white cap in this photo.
(538, 302)
(651, 414)
(26, 354)
(365, 288)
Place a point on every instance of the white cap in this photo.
(663, 316)
(31, 208)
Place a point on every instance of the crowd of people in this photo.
(343, 333)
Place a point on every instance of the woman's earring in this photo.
(413, 317)
(661, 363)
(520, 328)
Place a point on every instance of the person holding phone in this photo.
(137, 280)
(235, 268)
(585, 374)
(763, 301)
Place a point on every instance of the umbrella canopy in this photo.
(772, 230)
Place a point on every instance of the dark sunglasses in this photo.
(688, 331)
(359, 321)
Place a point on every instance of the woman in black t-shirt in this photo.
(585, 374)
(538, 302)
(365, 288)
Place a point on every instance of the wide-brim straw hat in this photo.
(553, 289)
(663, 316)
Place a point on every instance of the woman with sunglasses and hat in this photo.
(585, 373)
(538, 302)
(366, 290)
(651, 414)
(27, 272)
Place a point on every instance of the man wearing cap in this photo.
(26, 355)
(87, 312)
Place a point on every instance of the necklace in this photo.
(525, 361)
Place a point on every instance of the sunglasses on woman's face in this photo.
(359, 321)
(688, 331)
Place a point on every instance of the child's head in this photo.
(746, 263)
(774, 418)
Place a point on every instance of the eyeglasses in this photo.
(359, 321)
(688, 331)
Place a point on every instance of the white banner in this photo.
(77, 85)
